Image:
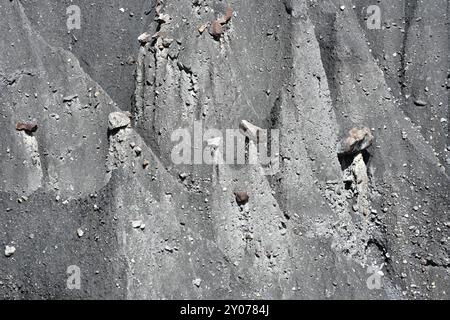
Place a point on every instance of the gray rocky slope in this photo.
(113, 203)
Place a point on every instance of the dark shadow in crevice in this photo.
(346, 160)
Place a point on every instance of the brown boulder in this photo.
(28, 127)
(357, 140)
(241, 197)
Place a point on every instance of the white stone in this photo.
(144, 38)
(197, 282)
(118, 120)
(9, 251)
(136, 223)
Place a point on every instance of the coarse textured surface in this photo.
(93, 190)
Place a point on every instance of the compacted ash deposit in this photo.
(117, 179)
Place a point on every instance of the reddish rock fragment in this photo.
(216, 30)
(28, 126)
(241, 197)
(357, 140)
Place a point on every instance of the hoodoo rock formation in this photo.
(95, 188)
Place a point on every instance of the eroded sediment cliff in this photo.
(95, 185)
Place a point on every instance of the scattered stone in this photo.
(80, 232)
(342, 8)
(416, 208)
(137, 150)
(70, 98)
(145, 164)
(28, 127)
(197, 282)
(241, 197)
(9, 251)
(136, 224)
(420, 103)
(357, 140)
(118, 120)
(183, 175)
(202, 28)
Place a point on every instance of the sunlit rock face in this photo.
(211, 149)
